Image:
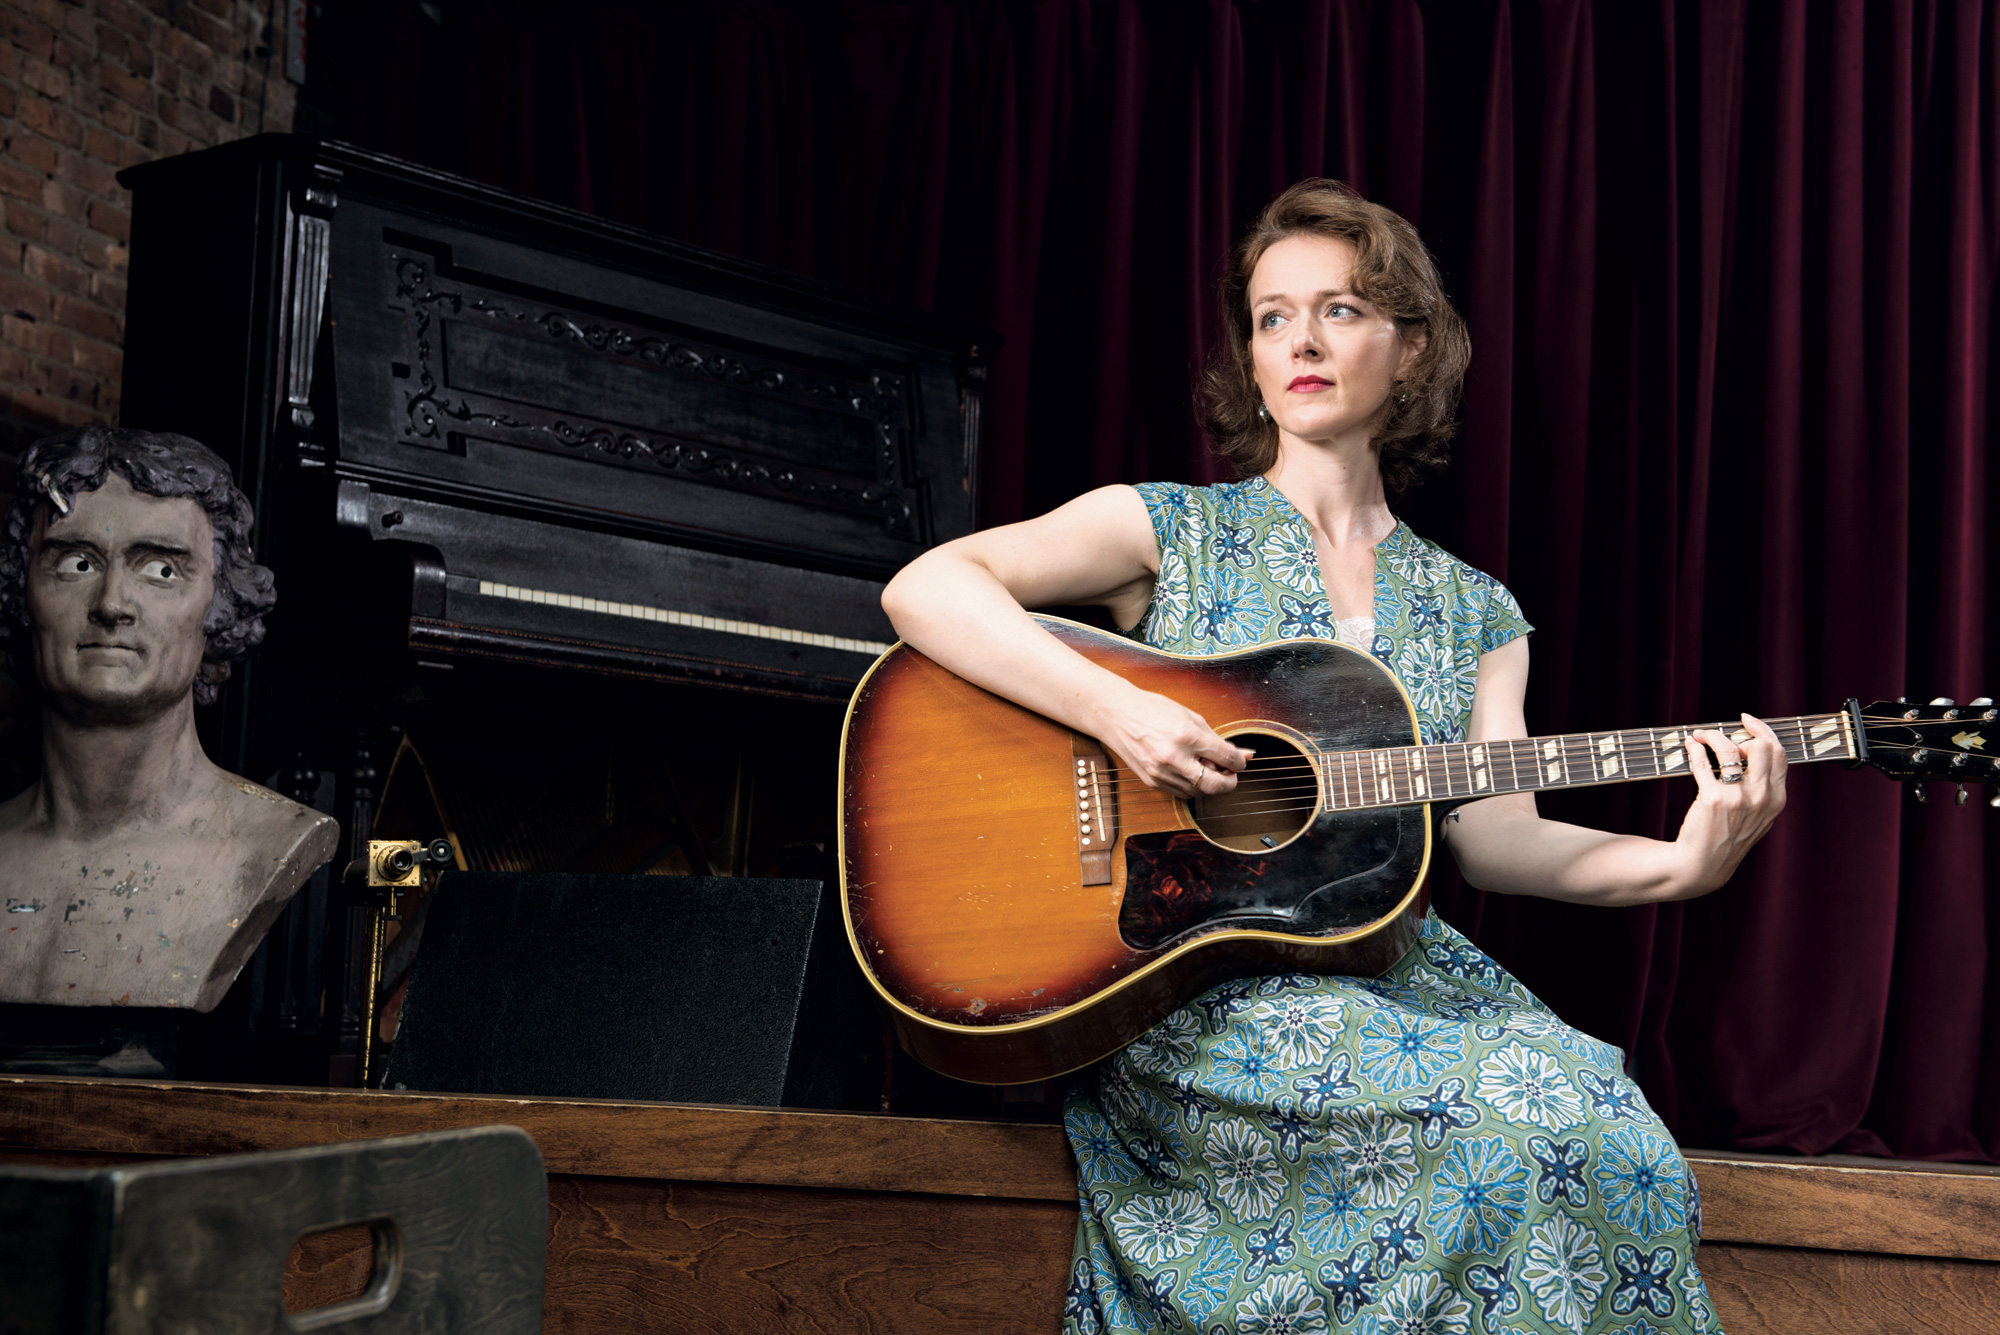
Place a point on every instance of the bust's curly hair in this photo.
(156, 463)
(1393, 270)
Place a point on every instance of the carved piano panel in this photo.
(779, 441)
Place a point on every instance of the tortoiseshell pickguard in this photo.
(1179, 882)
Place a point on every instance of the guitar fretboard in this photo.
(1450, 771)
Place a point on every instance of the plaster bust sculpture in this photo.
(135, 872)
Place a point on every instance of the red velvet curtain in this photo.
(1729, 272)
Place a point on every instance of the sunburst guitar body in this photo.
(1025, 906)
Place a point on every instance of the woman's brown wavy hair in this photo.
(1393, 270)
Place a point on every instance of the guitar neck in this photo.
(1461, 771)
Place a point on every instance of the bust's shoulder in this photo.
(253, 812)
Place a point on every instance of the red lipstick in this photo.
(1307, 382)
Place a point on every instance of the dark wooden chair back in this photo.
(458, 1219)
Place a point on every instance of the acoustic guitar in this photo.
(1026, 906)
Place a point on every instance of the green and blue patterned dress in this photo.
(1430, 1152)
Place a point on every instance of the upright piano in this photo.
(515, 456)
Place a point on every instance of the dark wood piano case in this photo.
(492, 436)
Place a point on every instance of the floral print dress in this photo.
(1430, 1152)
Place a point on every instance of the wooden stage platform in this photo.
(667, 1217)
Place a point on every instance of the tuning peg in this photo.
(1980, 702)
(1917, 791)
(1902, 699)
(1944, 700)
(1994, 801)
(1962, 795)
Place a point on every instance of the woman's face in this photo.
(1326, 360)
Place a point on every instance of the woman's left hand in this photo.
(1732, 810)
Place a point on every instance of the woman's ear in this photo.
(1414, 344)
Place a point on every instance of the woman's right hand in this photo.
(1168, 745)
(961, 604)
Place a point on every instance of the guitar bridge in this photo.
(1096, 809)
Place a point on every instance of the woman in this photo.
(1431, 1150)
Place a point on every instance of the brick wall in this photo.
(88, 87)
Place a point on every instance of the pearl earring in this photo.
(1263, 413)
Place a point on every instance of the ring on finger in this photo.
(1737, 777)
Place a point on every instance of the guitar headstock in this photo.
(1941, 740)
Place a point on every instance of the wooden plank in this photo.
(1887, 1206)
(713, 1258)
(594, 1137)
(1796, 1291)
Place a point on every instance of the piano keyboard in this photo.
(694, 621)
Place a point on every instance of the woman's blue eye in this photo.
(1269, 320)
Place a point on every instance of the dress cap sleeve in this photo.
(1503, 621)
(1167, 504)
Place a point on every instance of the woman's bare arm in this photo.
(962, 605)
(1503, 845)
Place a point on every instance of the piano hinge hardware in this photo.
(1096, 808)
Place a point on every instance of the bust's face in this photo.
(117, 591)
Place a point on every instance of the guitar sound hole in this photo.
(1273, 801)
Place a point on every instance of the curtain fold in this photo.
(1728, 269)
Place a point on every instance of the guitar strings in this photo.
(1393, 763)
(1264, 787)
(1272, 785)
(1569, 744)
